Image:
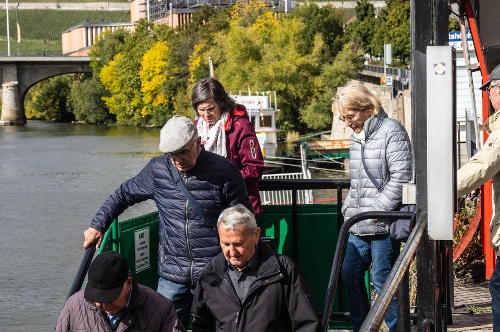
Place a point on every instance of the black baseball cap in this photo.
(495, 75)
(106, 277)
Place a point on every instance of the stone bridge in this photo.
(19, 74)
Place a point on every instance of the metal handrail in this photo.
(376, 315)
(339, 254)
(82, 270)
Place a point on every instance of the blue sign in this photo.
(455, 40)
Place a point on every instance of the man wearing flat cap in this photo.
(188, 232)
(114, 301)
(482, 167)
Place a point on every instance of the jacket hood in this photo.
(374, 122)
(239, 112)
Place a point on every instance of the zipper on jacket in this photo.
(186, 230)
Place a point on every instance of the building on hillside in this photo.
(77, 40)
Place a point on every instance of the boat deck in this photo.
(472, 309)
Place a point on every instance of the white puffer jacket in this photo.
(388, 157)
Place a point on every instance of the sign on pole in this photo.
(387, 54)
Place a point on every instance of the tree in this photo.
(51, 99)
(86, 101)
(364, 28)
(325, 20)
(122, 79)
(346, 66)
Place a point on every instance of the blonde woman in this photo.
(385, 146)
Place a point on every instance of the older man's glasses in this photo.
(491, 87)
(182, 152)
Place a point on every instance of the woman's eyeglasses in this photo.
(349, 117)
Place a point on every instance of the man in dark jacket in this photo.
(114, 301)
(188, 235)
(249, 287)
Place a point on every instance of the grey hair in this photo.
(211, 88)
(235, 217)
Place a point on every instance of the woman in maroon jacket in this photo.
(225, 129)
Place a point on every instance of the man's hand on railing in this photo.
(91, 236)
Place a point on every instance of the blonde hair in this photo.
(357, 97)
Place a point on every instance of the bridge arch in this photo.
(18, 75)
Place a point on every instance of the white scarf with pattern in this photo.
(213, 138)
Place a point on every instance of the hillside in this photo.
(41, 23)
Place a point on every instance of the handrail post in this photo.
(295, 223)
(82, 270)
(403, 296)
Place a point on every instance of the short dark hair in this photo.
(211, 88)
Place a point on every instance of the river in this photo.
(53, 179)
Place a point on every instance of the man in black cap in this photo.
(482, 167)
(114, 301)
(187, 226)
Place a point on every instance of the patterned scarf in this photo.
(214, 138)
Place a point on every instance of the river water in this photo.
(53, 179)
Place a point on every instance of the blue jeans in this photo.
(381, 253)
(494, 286)
(181, 296)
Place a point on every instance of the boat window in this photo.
(252, 119)
(266, 121)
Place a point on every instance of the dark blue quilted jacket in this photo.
(187, 241)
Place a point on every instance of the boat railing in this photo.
(377, 312)
(280, 197)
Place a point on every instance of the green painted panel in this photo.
(317, 229)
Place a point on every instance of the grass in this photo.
(64, 1)
(39, 33)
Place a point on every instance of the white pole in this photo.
(8, 31)
(147, 9)
(171, 16)
(286, 7)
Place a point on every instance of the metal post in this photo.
(8, 29)
(171, 15)
(18, 29)
(424, 32)
(421, 35)
(147, 10)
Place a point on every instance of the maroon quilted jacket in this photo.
(147, 311)
(243, 149)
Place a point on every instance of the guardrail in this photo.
(386, 297)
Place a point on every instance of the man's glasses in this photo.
(182, 152)
(349, 117)
(491, 87)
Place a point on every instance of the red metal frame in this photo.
(486, 189)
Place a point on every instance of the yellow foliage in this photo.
(153, 74)
(245, 12)
(107, 75)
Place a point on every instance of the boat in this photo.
(314, 234)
